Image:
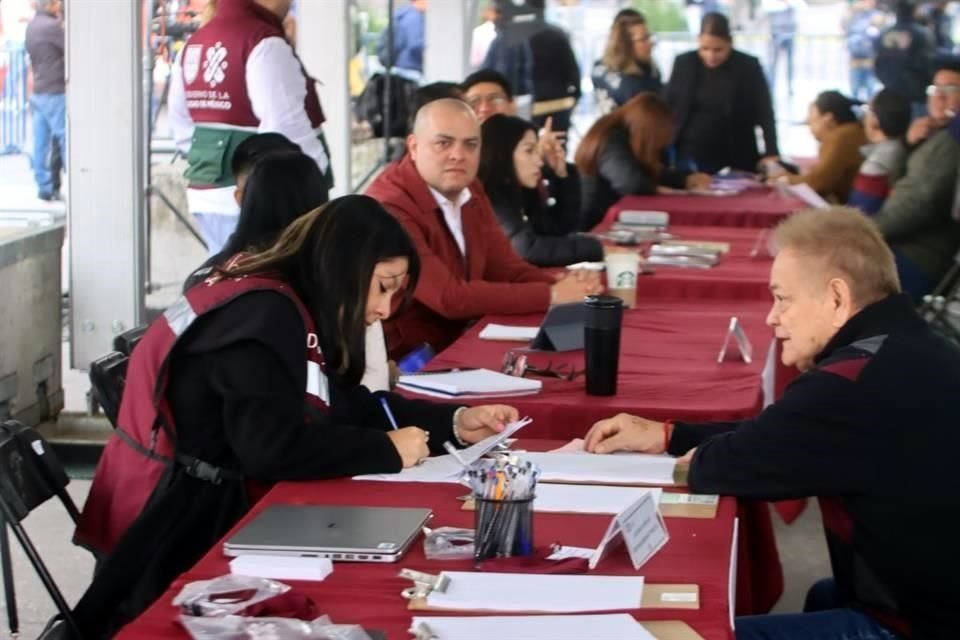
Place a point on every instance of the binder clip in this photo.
(423, 632)
(423, 584)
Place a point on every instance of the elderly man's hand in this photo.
(624, 432)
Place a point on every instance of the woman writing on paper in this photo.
(835, 125)
(541, 230)
(623, 155)
(252, 378)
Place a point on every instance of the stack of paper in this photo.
(520, 592)
(474, 383)
(615, 469)
(618, 625)
(572, 498)
(508, 333)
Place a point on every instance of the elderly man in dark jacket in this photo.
(44, 41)
(869, 428)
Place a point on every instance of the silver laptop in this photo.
(356, 534)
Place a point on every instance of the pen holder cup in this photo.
(504, 528)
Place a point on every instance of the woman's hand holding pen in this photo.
(476, 423)
(411, 444)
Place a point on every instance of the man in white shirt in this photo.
(470, 269)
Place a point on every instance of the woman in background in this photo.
(720, 96)
(540, 229)
(623, 155)
(835, 125)
(627, 67)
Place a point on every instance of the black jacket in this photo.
(619, 174)
(615, 88)
(905, 54)
(555, 72)
(746, 103)
(236, 392)
(541, 231)
(872, 430)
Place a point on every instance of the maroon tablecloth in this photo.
(737, 276)
(756, 208)
(668, 368)
(699, 551)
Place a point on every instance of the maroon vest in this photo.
(215, 62)
(144, 445)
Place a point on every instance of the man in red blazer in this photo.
(469, 268)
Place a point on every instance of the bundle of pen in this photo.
(503, 493)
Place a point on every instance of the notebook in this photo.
(358, 534)
(472, 383)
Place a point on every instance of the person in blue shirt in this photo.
(408, 38)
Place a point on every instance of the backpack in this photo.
(371, 104)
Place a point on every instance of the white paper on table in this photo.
(732, 580)
(469, 591)
(577, 498)
(282, 567)
(565, 553)
(446, 468)
(615, 469)
(574, 446)
(508, 332)
(618, 625)
(805, 192)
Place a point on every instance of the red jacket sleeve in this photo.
(513, 286)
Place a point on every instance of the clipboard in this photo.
(670, 630)
(655, 596)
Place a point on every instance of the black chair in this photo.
(109, 373)
(30, 474)
(941, 309)
(126, 341)
(107, 377)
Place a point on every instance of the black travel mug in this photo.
(604, 318)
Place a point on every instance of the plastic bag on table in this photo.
(226, 595)
(244, 628)
(448, 543)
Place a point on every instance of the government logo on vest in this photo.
(215, 65)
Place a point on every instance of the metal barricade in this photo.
(13, 98)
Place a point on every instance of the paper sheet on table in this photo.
(806, 193)
(576, 498)
(615, 469)
(469, 591)
(508, 332)
(447, 468)
(618, 625)
(574, 446)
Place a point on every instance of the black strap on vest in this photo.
(193, 466)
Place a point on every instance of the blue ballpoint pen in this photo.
(386, 410)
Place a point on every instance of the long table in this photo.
(699, 551)
(762, 208)
(668, 368)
